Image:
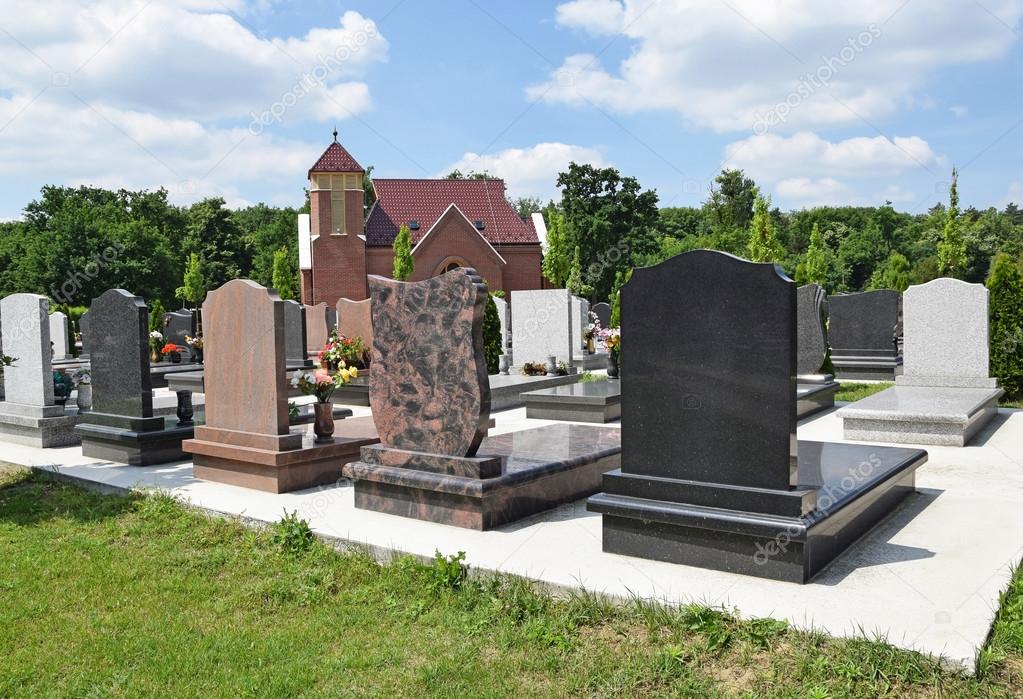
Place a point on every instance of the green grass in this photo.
(590, 377)
(858, 391)
(106, 596)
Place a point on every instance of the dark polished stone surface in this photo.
(428, 388)
(712, 475)
(135, 448)
(856, 487)
(710, 394)
(862, 331)
(603, 313)
(121, 383)
(539, 469)
(592, 401)
(812, 398)
(176, 326)
(295, 333)
(811, 339)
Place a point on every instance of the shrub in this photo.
(492, 348)
(1005, 283)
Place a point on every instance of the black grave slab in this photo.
(712, 474)
(121, 426)
(294, 335)
(811, 339)
(863, 332)
(177, 325)
(603, 312)
(591, 401)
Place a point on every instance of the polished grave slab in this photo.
(511, 477)
(921, 415)
(590, 401)
(814, 396)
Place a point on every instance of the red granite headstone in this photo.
(316, 332)
(429, 389)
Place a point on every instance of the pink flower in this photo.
(322, 376)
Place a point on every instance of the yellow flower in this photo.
(345, 374)
(354, 372)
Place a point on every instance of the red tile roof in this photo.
(336, 159)
(425, 201)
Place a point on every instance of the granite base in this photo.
(136, 442)
(507, 390)
(813, 397)
(589, 362)
(55, 429)
(592, 401)
(513, 476)
(844, 490)
(277, 471)
(921, 415)
(867, 366)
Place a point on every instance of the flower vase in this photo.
(84, 398)
(185, 411)
(154, 357)
(612, 366)
(591, 348)
(197, 355)
(323, 424)
(175, 357)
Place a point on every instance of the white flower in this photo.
(156, 335)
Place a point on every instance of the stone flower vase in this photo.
(154, 357)
(612, 366)
(84, 398)
(175, 357)
(591, 348)
(323, 423)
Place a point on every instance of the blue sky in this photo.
(839, 102)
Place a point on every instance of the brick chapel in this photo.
(454, 223)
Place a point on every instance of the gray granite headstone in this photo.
(59, 335)
(176, 326)
(83, 328)
(331, 319)
(28, 385)
(709, 394)
(603, 312)
(294, 333)
(580, 319)
(121, 383)
(542, 326)
(811, 338)
(946, 335)
(864, 322)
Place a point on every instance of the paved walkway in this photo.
(928, 578)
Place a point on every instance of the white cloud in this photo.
(896, 194)
(804, 154)
(530, 172)
(720, 65)
(595, 16)
(803, 191)
(176, 93)
(959, 110)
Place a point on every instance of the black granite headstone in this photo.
(710, 394)
(121, 385)
(603, 313)
(176, 326)
(712, 474)
(121, 426)
(864, 321)
(83, 328)
(294, 333)
(812, 340)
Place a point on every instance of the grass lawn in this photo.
(111, 596)
(853, 392)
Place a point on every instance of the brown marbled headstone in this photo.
(429, 389)
(245, 382)
(355, 319)
(316, 327)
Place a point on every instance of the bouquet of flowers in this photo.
(341, 351)
(611, 340)
(194, 342)
(156, 341)
(592, 328)
(322, 382)
(170, 349)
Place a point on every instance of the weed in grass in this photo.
(761, 632)
(291, 535)
(449, 572)
(590, 377)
